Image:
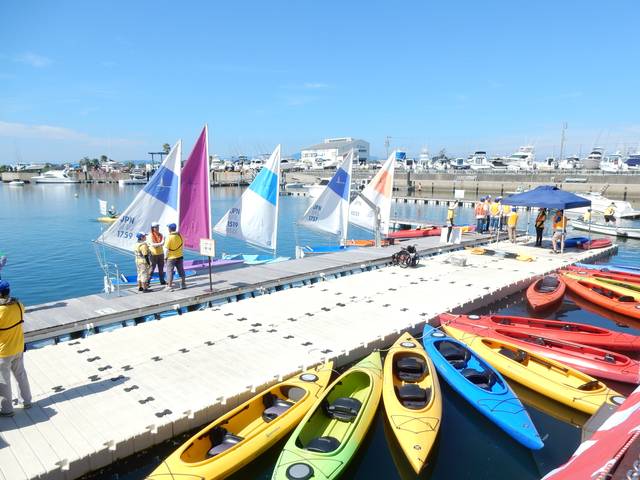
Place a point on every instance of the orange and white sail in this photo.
(379, 192)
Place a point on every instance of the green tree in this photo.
(103, 158)
(166, 148)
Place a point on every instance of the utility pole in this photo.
(564, 128)
(386, 144)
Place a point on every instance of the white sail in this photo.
(103, 207)
(379, 192)
(254, 217)
(330, 211)
(157, 202)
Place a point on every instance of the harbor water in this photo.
(47, 233)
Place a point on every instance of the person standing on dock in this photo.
(559, 223)
(506, 210)
(512, 221)
(496, 210)
(174, 256)
(479, 212)
(156, 248)
(540, 221)
(143, 262)
(451, 215)
(11, 351)
(610, 213)
(486, 209)
(586, 218)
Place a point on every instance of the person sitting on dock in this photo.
(479, 213)
(559, 223)
(157, 251)
(143, 262)
(495, 211)
(451, 215)
(11, 351)
(174, 256)
(512, 221)
(610, 213)
(539, 223)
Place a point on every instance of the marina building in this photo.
(332, 150)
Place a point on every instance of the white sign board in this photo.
(208, 247)
(458, 193)
(456, 235)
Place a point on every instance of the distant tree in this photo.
(103, 158)
(95, 163)
(166, 148)
(130, 165)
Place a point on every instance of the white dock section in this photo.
(104, 397)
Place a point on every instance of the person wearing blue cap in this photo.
(11, 351)
(143, 262)
(174, 256)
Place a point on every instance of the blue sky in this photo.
(123, 77)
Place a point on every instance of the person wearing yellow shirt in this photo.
(11, 351)
(156, 244)
(495, 209)
(610, 213)
(451, 215)
(143, 262)
(559, 223)
(506, 210)
(174, 256)
(586, 218)
(512, 221)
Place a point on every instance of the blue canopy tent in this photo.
(549, 197)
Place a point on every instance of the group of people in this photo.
(558, 226)
(492, 216)
(153, 252)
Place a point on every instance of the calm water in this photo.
(46, 232)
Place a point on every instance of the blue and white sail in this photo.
(330, 211)
(157, 202)
(254, 217)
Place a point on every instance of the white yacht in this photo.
(613, 163)
(459, 164)
(547, 164)
(570, 163)
(134, 179)
(479, 161)
(55, 176)
(16, 183)
(523, 159)
(599, 203)
(592, 162)
(633, 161)
(423, 159)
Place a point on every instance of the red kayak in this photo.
(596, 243)
(622, 277)
(545, 292)
(598, 457)
(590, 360)
(559, 330)
(624, 304)
(415, 233)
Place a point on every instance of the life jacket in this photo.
(479, 210)
(142, 253)
(559, 222)
(540, 219)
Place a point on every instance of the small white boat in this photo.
(522, 160)
(55, 176)
(613, 164)
(599, 203)
(134, 179)
(479, 161)
(16, 183)
(592, 162)
(614, 231)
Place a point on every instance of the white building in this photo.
(331, 152)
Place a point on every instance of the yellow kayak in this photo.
(548, 377)
(613, 285)
(412, 399)
(236, 438)
(107, 219)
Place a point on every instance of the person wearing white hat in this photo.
(156, 248)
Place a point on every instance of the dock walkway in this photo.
(107, 396)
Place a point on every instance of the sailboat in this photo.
(254, 217)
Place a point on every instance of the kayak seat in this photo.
(293, 393)
(609, 358)
(548, 284)
(592, 385)
(344, 409)
(504, 321)
(221, 440)
(518, 356)
(323, 444)
(410, 369)
(483, 380)
(274, 407)
(626, 298)
(602, 291)
(412, 396)
(454, 354)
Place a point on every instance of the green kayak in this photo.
(329, 435)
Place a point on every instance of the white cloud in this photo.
(51, 132)
(34, 60)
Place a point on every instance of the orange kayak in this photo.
(605, 297)
(545, 292)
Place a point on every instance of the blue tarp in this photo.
(547, 196)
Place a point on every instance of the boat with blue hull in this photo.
(481, 385)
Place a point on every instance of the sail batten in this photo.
(254, 217)
(156, 202)
(330, 211)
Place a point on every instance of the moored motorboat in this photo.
(545, 292)
(412, 399)
(561, 330)
(607, 298)
(329, 435)
(237, 437)
(549, 377)
(613, 230)
(590, 360)
(16, 183)
(481, 385)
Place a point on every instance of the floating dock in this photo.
(104, 397)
